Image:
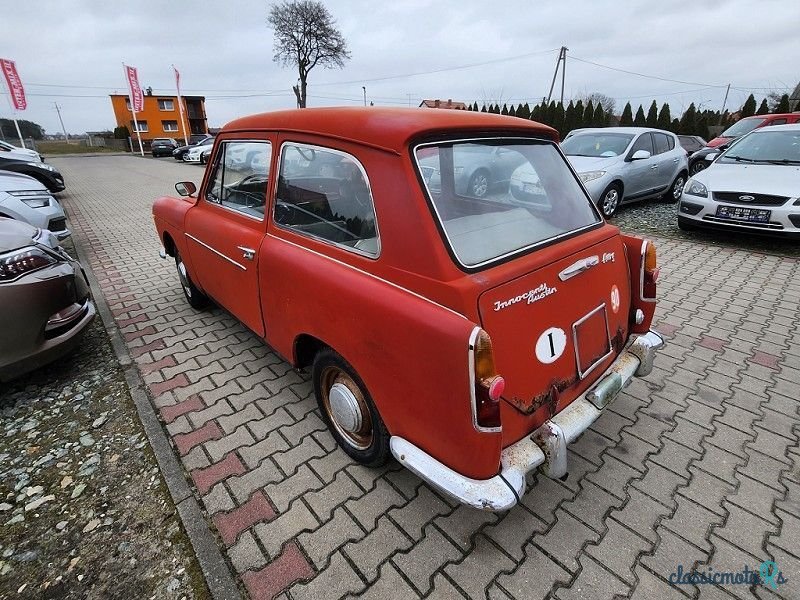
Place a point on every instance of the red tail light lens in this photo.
(650, 271)
(489, 386)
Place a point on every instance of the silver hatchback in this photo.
(627, 164)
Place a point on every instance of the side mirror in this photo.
(185, 188)
(712, 156)
(640, 155)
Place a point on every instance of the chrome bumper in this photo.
(545, 447)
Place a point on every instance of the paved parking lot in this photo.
(695, 467)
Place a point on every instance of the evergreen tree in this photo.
(483, 108)
(783, 105)
(664, 118)
(688, 121)
(512, 112)
(639, 120)
(524, 111)
(588, 115)
(749, 106)
(559, 119)
(599, 118)
(701, 126)
(536, 114)
(569, 118)
(505, 110)
(626, 119)
(652, 115)
(579, 108)
(675, 126)
(764, 108)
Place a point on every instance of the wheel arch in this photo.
(169, 244)
(305, 348)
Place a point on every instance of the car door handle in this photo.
(653, 167)
(247, 253)
(579, 267)
(675, 160)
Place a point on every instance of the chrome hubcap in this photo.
(480, 185)
(610, 201)
(344, 408)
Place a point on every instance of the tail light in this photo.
(649, 272)
(488, 386)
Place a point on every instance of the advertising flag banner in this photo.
(137, 98)
(177, 80)
(14, 84)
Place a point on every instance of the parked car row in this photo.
(194, 152)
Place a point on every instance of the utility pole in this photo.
(562, 57)
(724, 102)
(363, 87)
(64, 129)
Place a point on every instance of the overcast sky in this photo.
(72, 53)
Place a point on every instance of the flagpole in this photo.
(133, 109)
(180, 107)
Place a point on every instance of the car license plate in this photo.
(744, 213)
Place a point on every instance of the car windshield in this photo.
(766, 146)
(741, 127)
(596, 144)
(495, 197)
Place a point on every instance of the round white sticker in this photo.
(550, 345)
(615, 299)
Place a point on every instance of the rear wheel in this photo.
(610, 200)
(676, 189)
(348, 410)
(478, 185)
(194, 297)
(696, 167)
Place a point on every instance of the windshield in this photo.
(741, 127)
(765, 146)
(596, 144)
(496, 197)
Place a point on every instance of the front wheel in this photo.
(348, 410)
(696, 167)
(676, 189)
(194, 297)
(610, 200)
(478, 185)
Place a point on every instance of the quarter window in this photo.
(165, 104)
(325, 194)
(240, 177)
(661, 142)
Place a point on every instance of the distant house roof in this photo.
(442, 104)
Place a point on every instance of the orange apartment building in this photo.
(161, 116)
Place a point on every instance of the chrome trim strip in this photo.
(344, 264)
(217, 252)
(473, 400)
(770, 226)
(582, 374)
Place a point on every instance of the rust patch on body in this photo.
(547, 398)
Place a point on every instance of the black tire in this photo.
(676, 189)
(610, 200)
(686, 225)
(368, 441)
(696, 167)
(478, 186)
(194, 297)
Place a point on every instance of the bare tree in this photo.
(608, 103)
(306, 36)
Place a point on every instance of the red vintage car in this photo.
(456, 295)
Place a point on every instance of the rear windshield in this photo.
(742, 127)
(495, 197)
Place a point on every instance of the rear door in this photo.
(558, 327)
(640, 175)
(225, 228)
(667, 159)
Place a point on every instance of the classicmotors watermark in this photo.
(767, 574)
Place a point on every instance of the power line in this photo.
(610, 68)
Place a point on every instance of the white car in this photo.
(15, 152)
(195, 154)
(25, 199)
(752, 186)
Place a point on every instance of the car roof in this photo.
(631, 130)
(785, 127)
(772, 116)
(387, 128)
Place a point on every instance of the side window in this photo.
(240, 177)
(670, 142)
(776, 122)
(643, 143)
(661, 142)
(325, 194)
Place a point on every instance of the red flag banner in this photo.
(14, 84)
(177, 80)
(136, 91)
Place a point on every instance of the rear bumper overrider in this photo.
(546, 447)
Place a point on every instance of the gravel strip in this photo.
(661, 219)
(84, 512)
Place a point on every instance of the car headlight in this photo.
(38, 202)
(695, 188)
(25, 260)
(590, 176)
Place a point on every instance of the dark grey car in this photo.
(45, 303)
